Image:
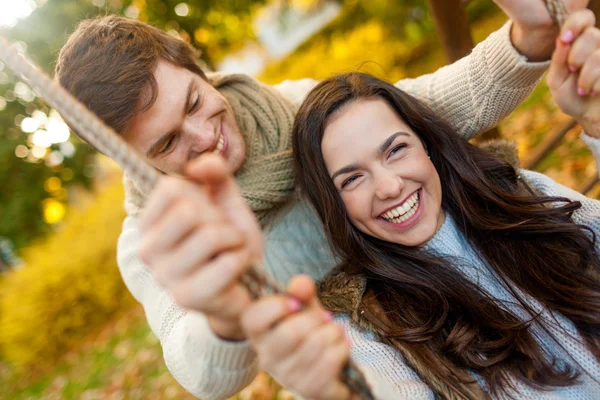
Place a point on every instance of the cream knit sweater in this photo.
(474, 94)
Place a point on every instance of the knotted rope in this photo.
(94, 131)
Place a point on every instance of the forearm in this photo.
(479, 90)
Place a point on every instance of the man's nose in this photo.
(201, 136)
(388, 185)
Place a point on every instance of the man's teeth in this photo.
(219, 145)
(403, 212)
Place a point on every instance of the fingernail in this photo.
(567, 36)
(327, 316)
(580, 92)
(572, 68)
(293, 305)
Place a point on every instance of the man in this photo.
(148, 86)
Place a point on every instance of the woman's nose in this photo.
(388, 185)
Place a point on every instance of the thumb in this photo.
(303, 288)
(211, 171)
(559, 68)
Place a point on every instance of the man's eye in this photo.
(168, 144)
(396, 149)
(349, 181)
(195, 105)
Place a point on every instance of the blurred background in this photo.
(68, 327)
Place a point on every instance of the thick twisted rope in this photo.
(94, 131)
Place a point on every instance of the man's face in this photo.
(188, 118)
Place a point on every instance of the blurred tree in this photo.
(35, 173)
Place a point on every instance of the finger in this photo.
(167, 191)
(172, 227)
(285, 337)
(558, 72)
(205, 287)
(583, 47)
(589, 77)
(197, 249)
(325, 375)
(306, 356)
(303, 288)
(265, 313)
(577, 22)
(214, 174)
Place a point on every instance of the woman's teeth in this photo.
(403, 212)
(219, 145)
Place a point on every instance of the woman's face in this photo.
(381, 169)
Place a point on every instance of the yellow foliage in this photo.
(69, 285)
(368, 47)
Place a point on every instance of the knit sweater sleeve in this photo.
(477, 91)
(206, 366)
(384, 367)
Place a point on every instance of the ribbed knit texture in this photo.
(474, 94)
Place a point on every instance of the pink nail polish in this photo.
(327, 316)
(580, 92)
(572, 68)
(567, 37)
(593, 94)
(293, 305)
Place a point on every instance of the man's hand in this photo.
(199, 237)
(533, 31)
(298, 343)
(574, 76)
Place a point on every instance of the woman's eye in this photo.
(396, 149)
(349, 180)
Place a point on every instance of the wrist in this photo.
(226, 329)
(591, 127)
(535, 44)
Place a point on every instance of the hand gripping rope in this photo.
(94, 131)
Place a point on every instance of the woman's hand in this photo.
(198, 237)
(298, 343)
(574, 76)
(533, 31)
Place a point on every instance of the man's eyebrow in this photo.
(165, 137)
(389, 141)
(344, 170)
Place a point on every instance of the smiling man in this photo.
(149, 87)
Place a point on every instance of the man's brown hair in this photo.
(108, 64)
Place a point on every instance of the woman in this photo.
(461, 276)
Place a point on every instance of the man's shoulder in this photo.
(296, 90)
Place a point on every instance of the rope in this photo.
(94, 131)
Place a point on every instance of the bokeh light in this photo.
(21, 151)
(182, 9)
(13, 10)
(54, 211)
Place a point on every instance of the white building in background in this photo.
(280, 30)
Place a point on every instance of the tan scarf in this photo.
(265, 118)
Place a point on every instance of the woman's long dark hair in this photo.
(528, 240)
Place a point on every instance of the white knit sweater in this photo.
(474, 94)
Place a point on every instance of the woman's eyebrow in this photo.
(389, 141)
(344, 170)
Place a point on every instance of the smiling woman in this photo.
(12, 11)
